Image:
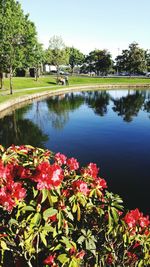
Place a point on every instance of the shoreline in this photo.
(11, 105)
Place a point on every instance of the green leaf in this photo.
(63, 258)
(55, 233)
(78, 213)
(13, 221)
(48, 228)
(74, 263)
(28, 208)
(115, 214)
(81, 239)
(59, 220)
(70, 216)
(4, 245)
(44, 195)
(36, 220)
(35, 192)
(74, 209)
(42, 235)
(48, 213)
(66, 242)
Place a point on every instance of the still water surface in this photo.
(110, 128)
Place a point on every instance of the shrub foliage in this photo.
(56, 213)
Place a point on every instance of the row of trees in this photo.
(20, 49)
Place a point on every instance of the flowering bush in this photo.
(54, 213)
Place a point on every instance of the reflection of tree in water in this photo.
(147, 106)
(60, 107)
(129, 106)
(15, 130)
(98, 101)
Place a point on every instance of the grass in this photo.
(50, 81)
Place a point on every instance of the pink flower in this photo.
(100, 183)
(80, 186)
(60, 158)
(65, 192)
(80, 255)
(48, 176)
(73, 164)
(22, 172)
(49, 260)
(135, 218)
(10, 193)
(144, 221)
(7, 172)
(91, 170)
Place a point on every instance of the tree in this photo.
(37, 58)
(56, 53)
(129, 106)
(147, 57)
(75, 57)
(132, 60)
(99, 61)
(18, 35)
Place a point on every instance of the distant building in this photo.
(50, 68)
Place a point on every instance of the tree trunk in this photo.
(10, 80)
(36, 74)
(1, 80)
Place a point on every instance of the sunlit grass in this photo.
(50, 83)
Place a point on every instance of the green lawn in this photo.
(19, 83)
(50, 81)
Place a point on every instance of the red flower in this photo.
(91, 170)
(72, 250)
(60, 158)
(50, 260)
(80, 186)
(135, 218)
(109, 259)
(65, 192)
(48, 176)
(80, 255)
(73, 164)
(23, 172)
(132, 257)
(52, 218)
(137, 244)
(7, 172)
(100, 183)
(144, 221)
(10, 193)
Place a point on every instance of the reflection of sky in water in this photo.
(92, 131)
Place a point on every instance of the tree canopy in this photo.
(56, 53)
(18, 35)
(132, 60)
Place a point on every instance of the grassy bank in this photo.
(19, 83)
(26, 86)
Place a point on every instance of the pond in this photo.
(110, 128)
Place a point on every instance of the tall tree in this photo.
(36, 58)
(147, 56)
(132, 60)
(99, 61)
(18, 35)
(56, 53)
(75, 57)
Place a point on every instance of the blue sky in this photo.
(86, 25)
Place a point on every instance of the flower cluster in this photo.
(10, 192)
(54, 213)
(135, 218)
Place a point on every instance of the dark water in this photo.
(110, 128)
